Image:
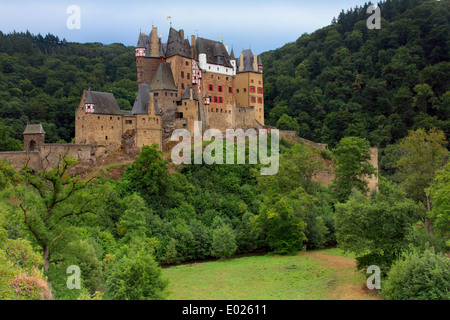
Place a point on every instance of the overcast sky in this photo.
(260, 25)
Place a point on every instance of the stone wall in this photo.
(146, 69)
(48, 156)
(20, 158)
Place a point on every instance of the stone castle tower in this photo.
(179, 82)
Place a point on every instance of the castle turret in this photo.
(89, 103)
(33, 137)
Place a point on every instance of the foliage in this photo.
(346, 80)
(224, 242)
(376, 228)
(135, 276)
(419, 276)
(440, 198)
(353, 157)
(422, 153)
(47, 200)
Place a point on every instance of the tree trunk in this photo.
(46, 257)
(428, 222)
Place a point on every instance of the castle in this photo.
(179, 82)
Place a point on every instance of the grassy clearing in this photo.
(315, 276)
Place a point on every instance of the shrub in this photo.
(224, 242)
(419, 276)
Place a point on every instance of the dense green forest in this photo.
(42, 80)
(344, 85)
(346, 80)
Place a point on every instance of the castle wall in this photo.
(190, 110)
(146, 69)
(51, 152)
(148, 131)
(99, 129)
(20, 158)
(220, 118)
(249, 92)
(182, 72)
(244, 117)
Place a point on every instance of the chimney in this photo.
(182, 33)
(193, 48)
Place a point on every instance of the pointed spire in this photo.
(232, 57)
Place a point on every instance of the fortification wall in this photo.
(20, 158)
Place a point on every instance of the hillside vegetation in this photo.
(346, 80)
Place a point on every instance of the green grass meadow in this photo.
(260, 278)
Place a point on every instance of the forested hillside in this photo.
(42, 79)
(344, 85)
(346, 80)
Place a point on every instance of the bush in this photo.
(136, 276)
(224, 242)
(419, 276)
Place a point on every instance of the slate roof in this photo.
(104, 102)
(34, 129)
(213, 49)
(176, 45)
(187, 94)
(248, 61)
(163, 78)
(141, 103)
(144, 41)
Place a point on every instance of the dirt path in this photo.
(345, 288)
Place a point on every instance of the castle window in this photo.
(184, 103)
(82, 125)
(110, 118)
(182, 86)
(112, 127)
(188, 76)
(217, 109)
(155, 94)
(259, 82)
(102, 127)
(78, 118)
(221, 110)
(245, 89)
(118, 118)
(211, 87)
(166, 94)
(253, 99)
(226, 77)
(106, 137)
(220, 99)
(98, 117)
(251, 81)
(171, 94)
(220, 88)
(260, 100)
(157, 121)
(182, 74)
(143, 121)
(260, 90)
(230, 89)
(252, 89)
(236, 90)
(128, 121)
(187, 63)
